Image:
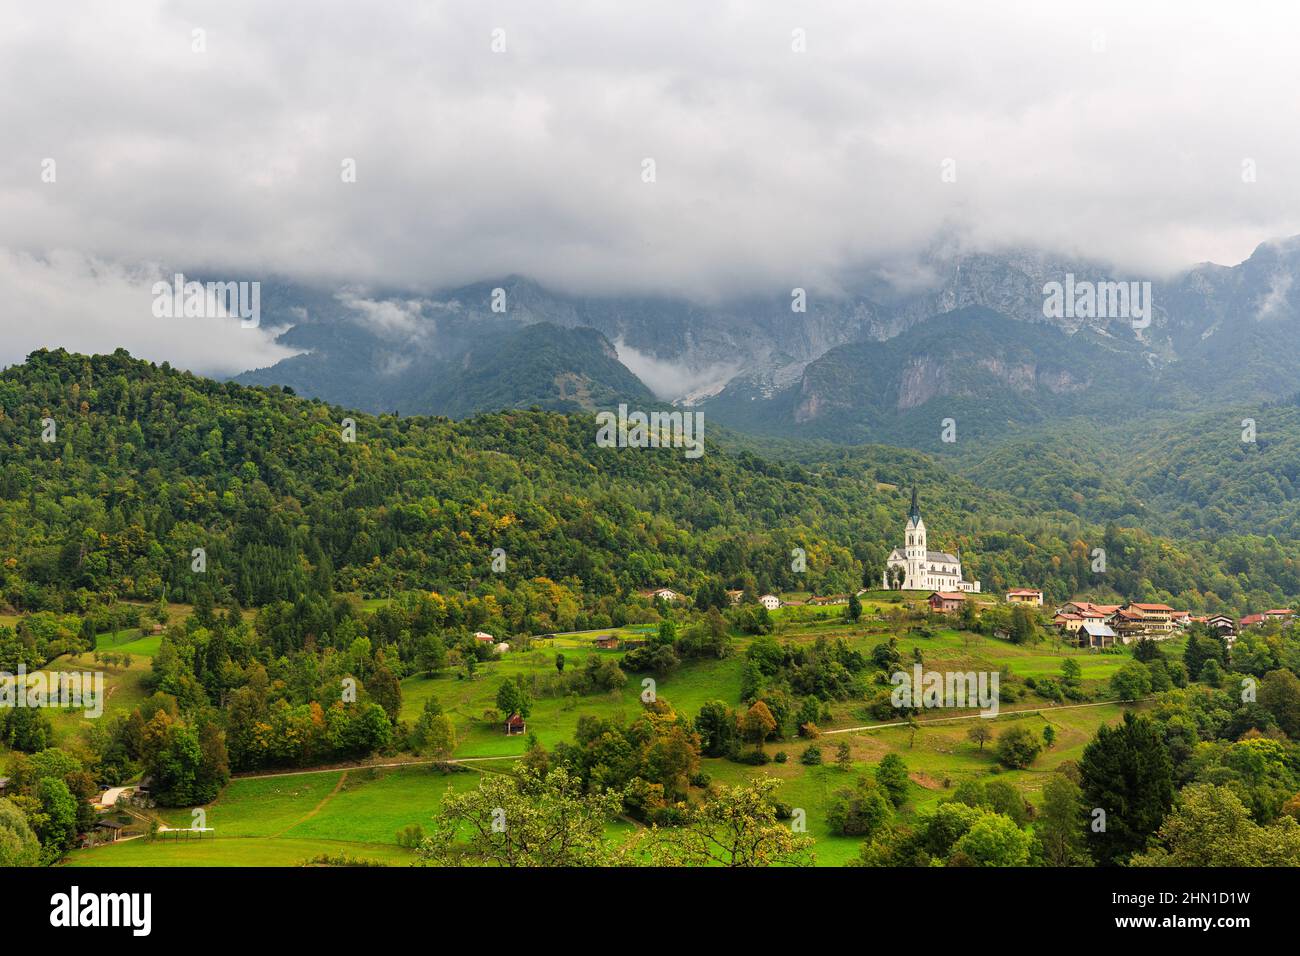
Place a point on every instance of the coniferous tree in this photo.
(1127, 774)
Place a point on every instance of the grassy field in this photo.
(555, 719)
(282, 821)
(285, 820)
(124, 688)
(286, 852)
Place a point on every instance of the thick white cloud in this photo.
(68, 300)
(1111, 130)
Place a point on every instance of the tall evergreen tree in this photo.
(1126, 773)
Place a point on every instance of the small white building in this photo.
(770, 601)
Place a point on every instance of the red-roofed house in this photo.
(1129, 623)
(942, 602)
(1158, 619)
(1068, 622)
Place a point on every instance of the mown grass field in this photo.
(286, 820)
(210, 852)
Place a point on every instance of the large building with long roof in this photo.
(923, 569)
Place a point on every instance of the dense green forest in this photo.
(1187, 476)
(115, 471)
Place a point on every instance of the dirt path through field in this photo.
(1002, 713)
(468, 761)
(316, 809)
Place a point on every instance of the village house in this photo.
(734, 596)
(829, 599)
(1025, 596)
(662, 594)
(770, 601)
(1080, 607)
(607, 642)
(1221, 623)
(1071, 621)
(1095, 634)
(483, 637)
(1067, 622)
(1158, 618)
(1129, 622)
(1251, 620)
(942, 602)
(515, 725)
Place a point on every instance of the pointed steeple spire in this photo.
(915, 513)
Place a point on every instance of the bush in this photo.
(861, 811)
(667, 817)
(701, 779)
(781, 756)
(812, 756)
(1018, 747)
(410, 836)
(341, 859)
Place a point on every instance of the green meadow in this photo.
(555, 719)
(287, 819)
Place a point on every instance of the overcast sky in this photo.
(1086, 128)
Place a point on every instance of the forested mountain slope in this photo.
(148, 463)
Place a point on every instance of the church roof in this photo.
(942, 556)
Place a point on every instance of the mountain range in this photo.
(966, 339)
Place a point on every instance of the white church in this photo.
(925, 570)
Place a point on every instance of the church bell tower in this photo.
(916, 547)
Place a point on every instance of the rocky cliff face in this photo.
(754, 359)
